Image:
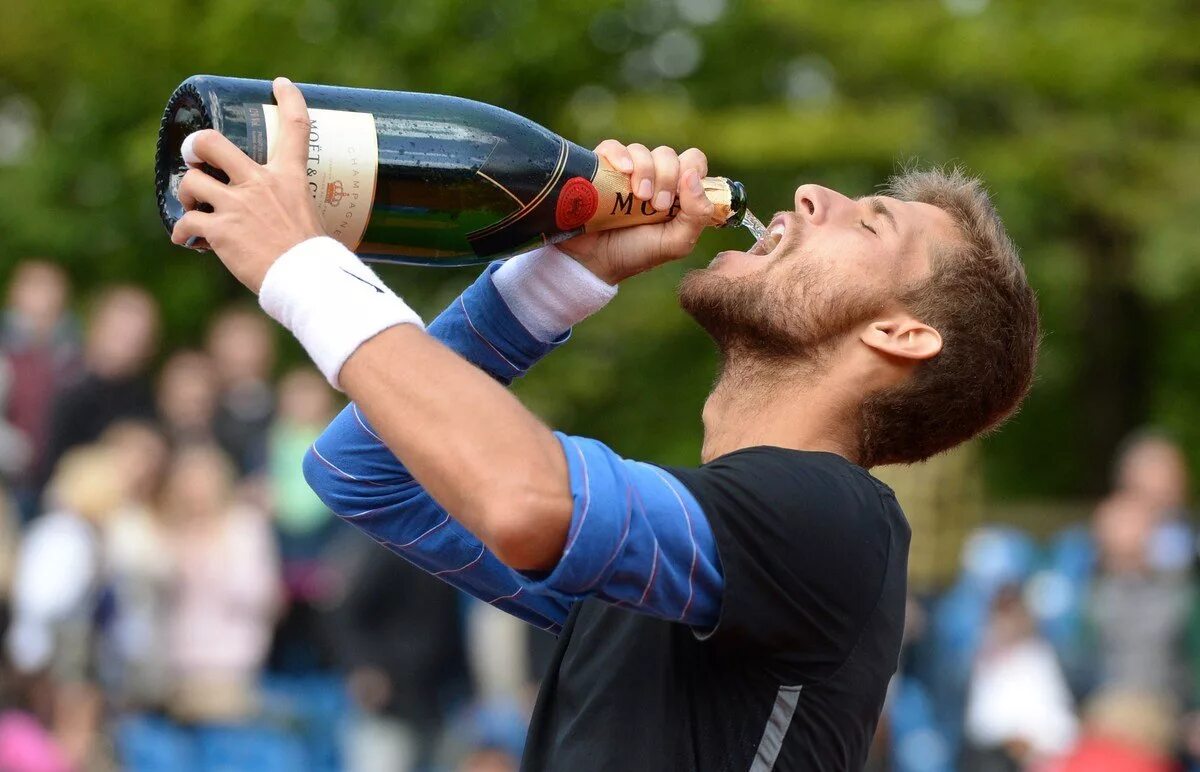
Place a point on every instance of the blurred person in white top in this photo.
(55, 593)
(1019, 709)
(227, 591)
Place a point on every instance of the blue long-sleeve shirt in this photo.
(637, 539)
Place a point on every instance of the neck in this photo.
(789, 405)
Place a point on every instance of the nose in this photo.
(816, 203)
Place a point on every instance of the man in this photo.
(742, 615)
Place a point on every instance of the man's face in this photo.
(825, 268)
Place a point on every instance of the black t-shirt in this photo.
(814, 554)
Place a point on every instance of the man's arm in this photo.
(641, 539)
(509, 318)
(491, 464)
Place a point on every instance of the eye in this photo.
(868, 227)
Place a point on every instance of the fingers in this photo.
(191, 228)
(642, 179)
(293, 123)
(666, 177)
(616, 154)
(211, 147)
(197, 188)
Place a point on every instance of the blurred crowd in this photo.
(174, 597)
(172, 594)
(1073, 652)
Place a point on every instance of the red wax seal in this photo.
(576, 204)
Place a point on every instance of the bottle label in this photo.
(343, 161)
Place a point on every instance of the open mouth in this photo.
(775, 233)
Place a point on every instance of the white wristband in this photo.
(331, 301)
(549, 292)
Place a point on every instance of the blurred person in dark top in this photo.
(15, 448)
(122, 336)
(1137, 612)
(1019, 709)
(302, 522)
(400, 638)
(139, 569)
(242, 346)
(186, 398)
(59, 593)
(226, 589)
(1151, 466)
(40, 340)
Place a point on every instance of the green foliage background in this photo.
(1084, 118)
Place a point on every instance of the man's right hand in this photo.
(656, 176)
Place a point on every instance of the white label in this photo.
(343, 159)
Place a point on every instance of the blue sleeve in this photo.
(637, 537)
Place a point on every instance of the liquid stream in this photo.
(754, 225)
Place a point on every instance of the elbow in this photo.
(526, 531)
(320, 478)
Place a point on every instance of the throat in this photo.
(789, 405)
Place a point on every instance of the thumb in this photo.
(695, 210)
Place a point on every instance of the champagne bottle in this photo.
(421, 178)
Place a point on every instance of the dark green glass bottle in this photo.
(421, 178)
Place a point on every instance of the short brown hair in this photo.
(978, 299)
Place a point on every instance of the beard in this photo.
(784, 312)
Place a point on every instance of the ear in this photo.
(905, 338)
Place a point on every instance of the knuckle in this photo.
(207, 137)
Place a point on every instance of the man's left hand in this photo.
(265, 210)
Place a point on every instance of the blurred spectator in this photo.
(40, 341)
(1151, 466)
(490, 759)
(304, 524)
(16, 451)
(187, 398)
(140, 572)
(121, 338)
(57, 592)
(1019, 710)
(1124, 731)
(1138, 613)
(241, 343)
(305, 408)
(400, 638)
(227, 591)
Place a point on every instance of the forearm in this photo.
(477, 451)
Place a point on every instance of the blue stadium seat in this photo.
(150, 744)
(917, 744)
(240, 749)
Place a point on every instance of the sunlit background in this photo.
(1054, 613)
